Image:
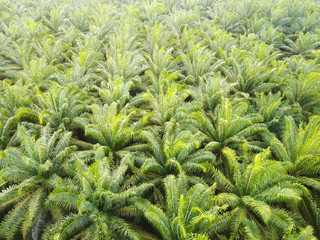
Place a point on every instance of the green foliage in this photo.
(229, 127)
(100, 201)
(253, 193)
(29, 173)
(159, 119)
(188, 213)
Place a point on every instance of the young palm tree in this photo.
(110, 129)
(298, 66)
(155, 36)
(99, 202)
(273, 109)
(304, 45)
(14, 103)
(188, 213)
(288, 16)
(6, 125)
(161, 59)
(254, 194)
(55, 20)
(177, 151)
(272, 36)
(30, 172)
(300, 150)
(211, 92)
(115, 90)
(13, 97)
(303, 90)
(164, 102)
(250, 74)
(153, 12)
(229, 127)
(38, 73)
(199, 64)
(61, 105)
(129, 65)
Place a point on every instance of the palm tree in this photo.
(54, 50)
(305, 233)
(176, 151)
(298, 66)
(6, 126)
(17, 55)
(303, 46)
(115, 90)
(129, 65)
(98, 202)
(229, 127)
(291, 17)
(79, 19)
(14, 104)
(153, 12)
(161, 59)
(250, 74)
(273, 108)
(30, 172)
(61, 105)
(38, 73)
(300, 150)
(164, 102)
(83, 70)
(187, 214)
(254, 194)
(211, 92)
(155, 36)
(272, 36)
(124, 59)
(220, 41)
(13, 97)
(199, 64)
(110, 129)
(304, 91)
(55, 20)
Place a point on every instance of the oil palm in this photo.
(187, 213)
(303, 90)
(161, 59)
(152, 12)
(84, 69)
(61, 105)
(304, 45)
(115, 90)
(98, 201)
(273, 109)
(229, 126)
(299, 149)
(30, 172)
(165, 101)
(250, 74)
(128, 65)
(155, 36)
(254, 194)
(8, 125)
(176, 151)
(199, 64)
(211, 92)
(13, 108)
(110, 129)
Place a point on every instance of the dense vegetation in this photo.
(167, 119)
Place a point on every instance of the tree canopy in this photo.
(159, 119)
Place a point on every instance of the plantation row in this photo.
(174, 120)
